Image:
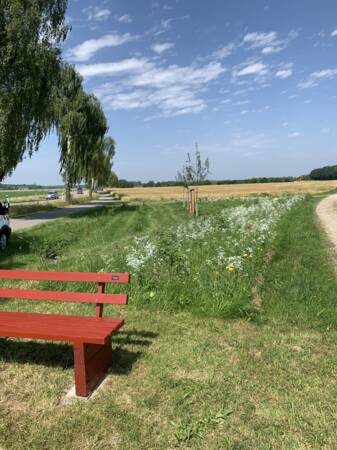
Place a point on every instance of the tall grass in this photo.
(208, 265)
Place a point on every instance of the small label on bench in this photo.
(115, 277)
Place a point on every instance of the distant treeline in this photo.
(129, 184)
(15, 187)
(324, 173)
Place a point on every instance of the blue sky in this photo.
(253, 82)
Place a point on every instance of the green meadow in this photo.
(229, 339)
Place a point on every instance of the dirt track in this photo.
(327, 213)
(46, 216)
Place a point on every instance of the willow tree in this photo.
(30, 33)
(66, 98)
(80, 123)
(100, 169)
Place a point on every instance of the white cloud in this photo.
(257, 40)
(284, 73)
(244, 141)
(262, 110)
(173, 90)
(270, 42)
(84, 51)
(295, 134)
(244, 91)
(271, 49)
(125, 18)
(257, 69)
(316, 77)
(166, 24)
(130, 65)
(190, 75)
(160, 48)
(224, 52)
(124, 100)
(97, 13)
(334, 33)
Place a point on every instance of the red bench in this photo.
(90, 336)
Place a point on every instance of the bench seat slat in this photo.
(65, 276)
(50, 327)
(61, 296)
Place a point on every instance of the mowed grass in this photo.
(24, 209)
(182, 380)
(19, 196)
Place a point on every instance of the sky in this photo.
(253, 82)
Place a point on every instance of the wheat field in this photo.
(228, 190)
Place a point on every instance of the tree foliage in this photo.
(324, 173)
(30, 32)
(105, 174)
(193, 172)
(81, 126)
(100, 170)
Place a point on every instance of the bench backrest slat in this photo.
(37, 275)
(77, 297)
(100, 298)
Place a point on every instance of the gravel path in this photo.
(327, 213)
(46, 216)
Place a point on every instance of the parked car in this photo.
(52, 196)
(5, 229)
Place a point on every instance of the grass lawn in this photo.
(30, 196)
(259, 376)
(24, 195)
(26, 208)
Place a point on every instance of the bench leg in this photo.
(91, 363)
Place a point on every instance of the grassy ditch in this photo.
(209, 266)
(265, 379)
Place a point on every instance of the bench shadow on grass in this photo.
(61, 355)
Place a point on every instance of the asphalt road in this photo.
(47, 216)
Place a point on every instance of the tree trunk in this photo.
(91, 188)
(67, 180)
(68, 198)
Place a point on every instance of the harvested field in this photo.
(228, 190)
